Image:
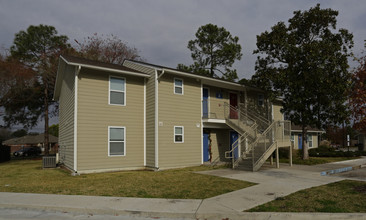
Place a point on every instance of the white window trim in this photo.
(179, 134)
(109, 90)
(124, 131)
(179, 86)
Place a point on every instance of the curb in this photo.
(202, 216)
(341, 170)
(86, 211)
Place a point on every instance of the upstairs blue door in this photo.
(206, 155)
(205, 103)
(233, 137)
(300, 141)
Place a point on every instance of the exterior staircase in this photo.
(258, 139)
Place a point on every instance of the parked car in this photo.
(29, 151)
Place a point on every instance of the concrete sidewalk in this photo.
(272, 183)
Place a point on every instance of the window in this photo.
(117, 141)
(292, 138)
(178, 134)
(117, 91)
(310, 140)
(260, 100)
(178, 86)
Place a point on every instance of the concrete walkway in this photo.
(272, 183)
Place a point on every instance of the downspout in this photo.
(76, 118)
(156, 121)
(162, 73)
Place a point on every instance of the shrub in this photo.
(330, 152)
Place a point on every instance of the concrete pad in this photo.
(102, 205)
(282, 216)
(272, 184)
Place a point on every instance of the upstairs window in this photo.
(178, 134)
(117, 91)
(178, 86)
(260, 100)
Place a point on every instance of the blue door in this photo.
(206, 155)
(233, 137)
(300, 141)
(205, 103)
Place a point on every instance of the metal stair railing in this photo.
(262, 122)
(270, 137)
(244, 131)
(256, 142)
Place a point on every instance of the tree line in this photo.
(303, 61)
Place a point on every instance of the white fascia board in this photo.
(311, 131)
(222, 121)
(238, 86)
(59, 77)
(144, 65)
(105, 69)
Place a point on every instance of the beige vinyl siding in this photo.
(150, 122)
(216, 105)
(314, 138)
(66, 118)
(252, 104)
(179, 110)
(295, 143)
(150, 111)
(277, 115)
(95, 115)
(220, 142)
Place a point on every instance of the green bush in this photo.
(324, 151)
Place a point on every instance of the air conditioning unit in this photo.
(49, 161)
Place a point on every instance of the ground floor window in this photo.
(178, 134)
(116, 141)
(310, 140)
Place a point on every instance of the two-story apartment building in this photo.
(145, 116)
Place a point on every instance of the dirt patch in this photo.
(361, 189)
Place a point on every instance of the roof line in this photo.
(104, 68)
(186, 73)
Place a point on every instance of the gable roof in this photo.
(30, 139)
(298, 128)
(78, 61)
(205, 79)
(91, 64)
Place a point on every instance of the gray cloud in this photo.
(161, 29)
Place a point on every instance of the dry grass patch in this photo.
(346, 196)
(27, 176)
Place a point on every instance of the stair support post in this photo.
(277, 157)
(290, 156)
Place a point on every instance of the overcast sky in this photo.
(161, 29)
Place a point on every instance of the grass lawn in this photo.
(343, 196)
(27, 176)
(316, 160)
